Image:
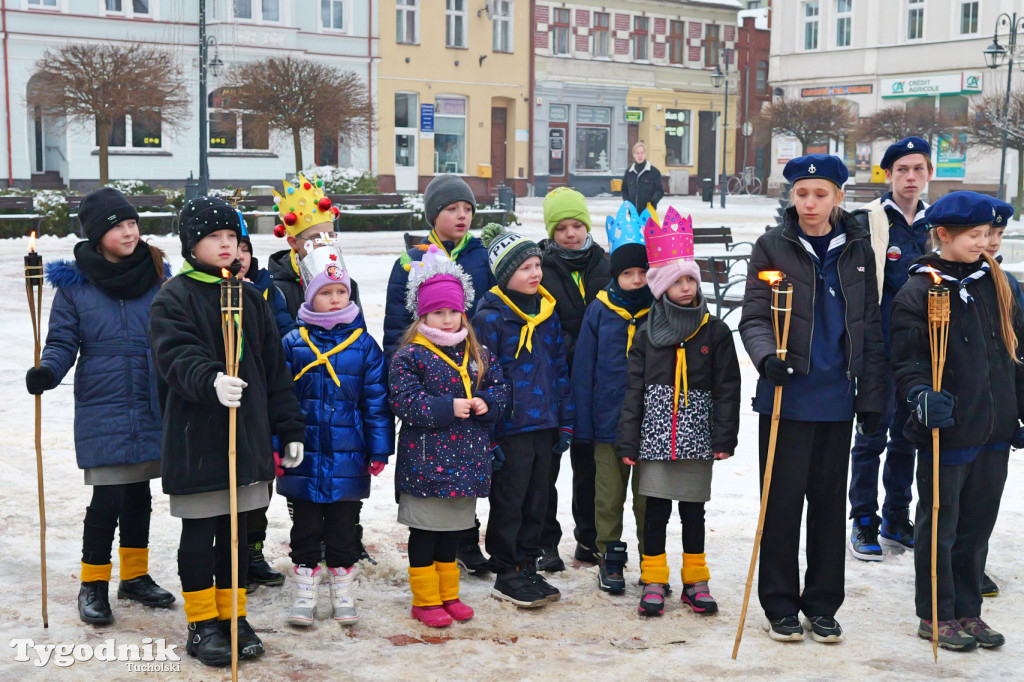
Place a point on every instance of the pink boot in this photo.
(432, 616)
(457, 610)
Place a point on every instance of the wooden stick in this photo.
(34, 285)
(232, 355)
(938, 335)
(780, 352)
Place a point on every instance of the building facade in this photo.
(753, 49)
(614, 72)
(454, 93)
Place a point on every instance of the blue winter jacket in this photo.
(117, 412)
(264, 283)
(472, 258)
(540, 394)
(907, 243)
(347, 426)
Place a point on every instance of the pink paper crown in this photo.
(670, 241)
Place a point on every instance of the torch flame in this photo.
(935, 276)
(225, 273)
(771, 276)
(32, 243)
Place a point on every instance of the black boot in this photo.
(468, 553)
(549, 561)
(260, 571)
(145, 590)
(609, 576)
(94, 603)
(207, 643)
(249, 644)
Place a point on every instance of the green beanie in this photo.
(562, 203)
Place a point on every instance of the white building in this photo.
(880, 53)
(38, 151)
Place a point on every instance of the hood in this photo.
(61, 274)
(280, 266)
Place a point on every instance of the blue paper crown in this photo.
(625, 228)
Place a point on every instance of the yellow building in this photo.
(453, 93)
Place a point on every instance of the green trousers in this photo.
(610, 497)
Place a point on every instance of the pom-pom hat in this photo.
(961, 209)
(821, 166)
(506, 251)
(905, 147)
(437, 282)
(302, 206)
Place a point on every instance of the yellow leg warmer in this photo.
(654, 569)
(200, 605)
(425, 584)
(224, 603)
(134, 562)
(92, 572)
(448, 579)
(695, 568)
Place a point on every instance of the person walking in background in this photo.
(641, 184)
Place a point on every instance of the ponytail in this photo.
(1006, 303)
(158, 257)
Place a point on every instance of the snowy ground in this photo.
(588, 633)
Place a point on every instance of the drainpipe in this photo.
(369, 83)
(7, 97)
(533, 96)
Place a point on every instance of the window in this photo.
(593, 138)
(560, 32)
(915, 19)
(677, 137)
(258, 10)
(455, 24)
(676, 42)
(502, 26)
(43, 3)
(811, 25)
(844, 22)
(711, 45)
(601, 26)
(406, 23)
(405, 110)
(761, 76)
(450, 135)
(141, 129)
(229, 126)
(968, 18)
(953, 110)
(640, 38)
(129, 7)
(332, 14)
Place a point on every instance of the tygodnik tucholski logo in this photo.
(152, 655)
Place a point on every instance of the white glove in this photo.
(229, 389)
(292, 455)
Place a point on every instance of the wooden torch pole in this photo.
(938, 335)
(231, 320)
(34, 292)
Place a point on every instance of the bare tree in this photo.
(808, 120)
(92, 86)
(987, 126)
(294, 96)
(897, 122)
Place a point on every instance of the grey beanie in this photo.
(445, 190)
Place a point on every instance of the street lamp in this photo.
(995, 56)
(717, 78)
(215, 66)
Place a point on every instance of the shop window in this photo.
(455, 23)
(810, 17)
(677, 137)
(954, 110)
(407, 20)
(640, 37)
(676, 42)
(593, 138)
(560, 31)
(711, 45)
(601, 27)
(450, 135)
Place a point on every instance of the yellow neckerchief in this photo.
(461, 369)
(435, 239)
(577, 276)
(602, 296)
(530, 322)
(322, 358)
(295, 264)
(681, 367)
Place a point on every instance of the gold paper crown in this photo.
(302, 206)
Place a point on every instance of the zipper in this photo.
(814, 275)
(128, 372)
(846, 317)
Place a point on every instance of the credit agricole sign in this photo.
(961, 82)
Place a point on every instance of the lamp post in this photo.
(717, 78)
(995, 56)
(215, 66)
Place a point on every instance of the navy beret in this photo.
(910, 145)
(823, 166)
(961, 209)
(1004, 212)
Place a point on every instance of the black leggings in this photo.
(204, 553)
(656, 524)
(127, 506)
(428, 546)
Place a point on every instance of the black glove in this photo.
(497, 458)
(868, 422)
(564, 441)
(38, 379)
(777, 371)
(934, 409)
(1018, 439)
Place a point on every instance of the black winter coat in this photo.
(780, 249)
(286, 279)
(188, 352)
(570, 306)
(988, 386)
(642, 185)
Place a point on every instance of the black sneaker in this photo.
(549, 561)
(145, 591)
(260, 571)
(864, 539)
(518, 588)
(952, 636)
(549, 591)
(206, 641)
(823, 629)
(986, 637)
(94, 603)
(988, 587)
(785, 629)
(472, 559)
(897, 532)
(587, 555)
(249, 643)
(609, 576)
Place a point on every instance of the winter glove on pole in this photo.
(564, 440)
(38, 379)
(292, 455)
(229, 390)
(777, 371)
(497, 458)
(934, 409)
(868, 423)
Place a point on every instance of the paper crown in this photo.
(670, 241)
(323, 256)
(302, 206)
(625, 228)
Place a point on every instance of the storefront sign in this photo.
(951, 161)
(786, 147)
(634, 115)
(834, 90)
(942, 84)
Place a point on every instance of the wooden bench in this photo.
(858, 194)
(167, 215)
(720, 285)
(253, 207)
(720, 236)
(383, 205)
(482, 216)
(23, 209)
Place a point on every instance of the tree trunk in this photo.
(297, 142)
(103, 133)
(1020, 183)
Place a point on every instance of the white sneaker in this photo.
(304, 606)
(342, 581)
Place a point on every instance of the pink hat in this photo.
(321, 266)
(441, 291)
(661, 277)
(437, 282)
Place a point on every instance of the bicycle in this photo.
(746, 183)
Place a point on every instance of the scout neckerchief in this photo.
(434, 239)
(965, 296)
(602, 296)
(189, 271)
(294, 258)
(530, 322)
(461, 368)
(577, 276)
(681, 374)
(323, 358)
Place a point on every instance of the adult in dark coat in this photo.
(641, 184)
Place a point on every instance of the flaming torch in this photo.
(938, 335)
(34, 292)
(231, 329)
(782, 309)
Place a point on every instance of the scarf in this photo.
(575, 259)
(632, 300)
(443, 338)
(671, 324)
(461, 368)
(324, 358)
(530, 322)
(130, 278)
(207, 273)
(435, 239)
(528, 303)
(969, 272)
(628, 316)
(328, 320)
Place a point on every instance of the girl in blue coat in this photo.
(341, 386)
(100, 317)
(448, 391)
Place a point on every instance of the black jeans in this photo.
(898, 473)
(204, 553)
(257, 522)
(428, 546)
(334, 524)
(584, 475)
(519, 499)
(656, 518)
(127, 507)
(811, 461)
(969, 497)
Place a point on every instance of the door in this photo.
(499, 132)
(632, 137)
(706, 145)
(406, 135)
(325, 146)
(558, 134)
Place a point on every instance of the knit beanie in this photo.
(628, 256)
(562, 203)
(437, 282)
(445, 190)
(506, 251)
(663, 276)
(101, 211)
(203, 216)
(323, 265)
